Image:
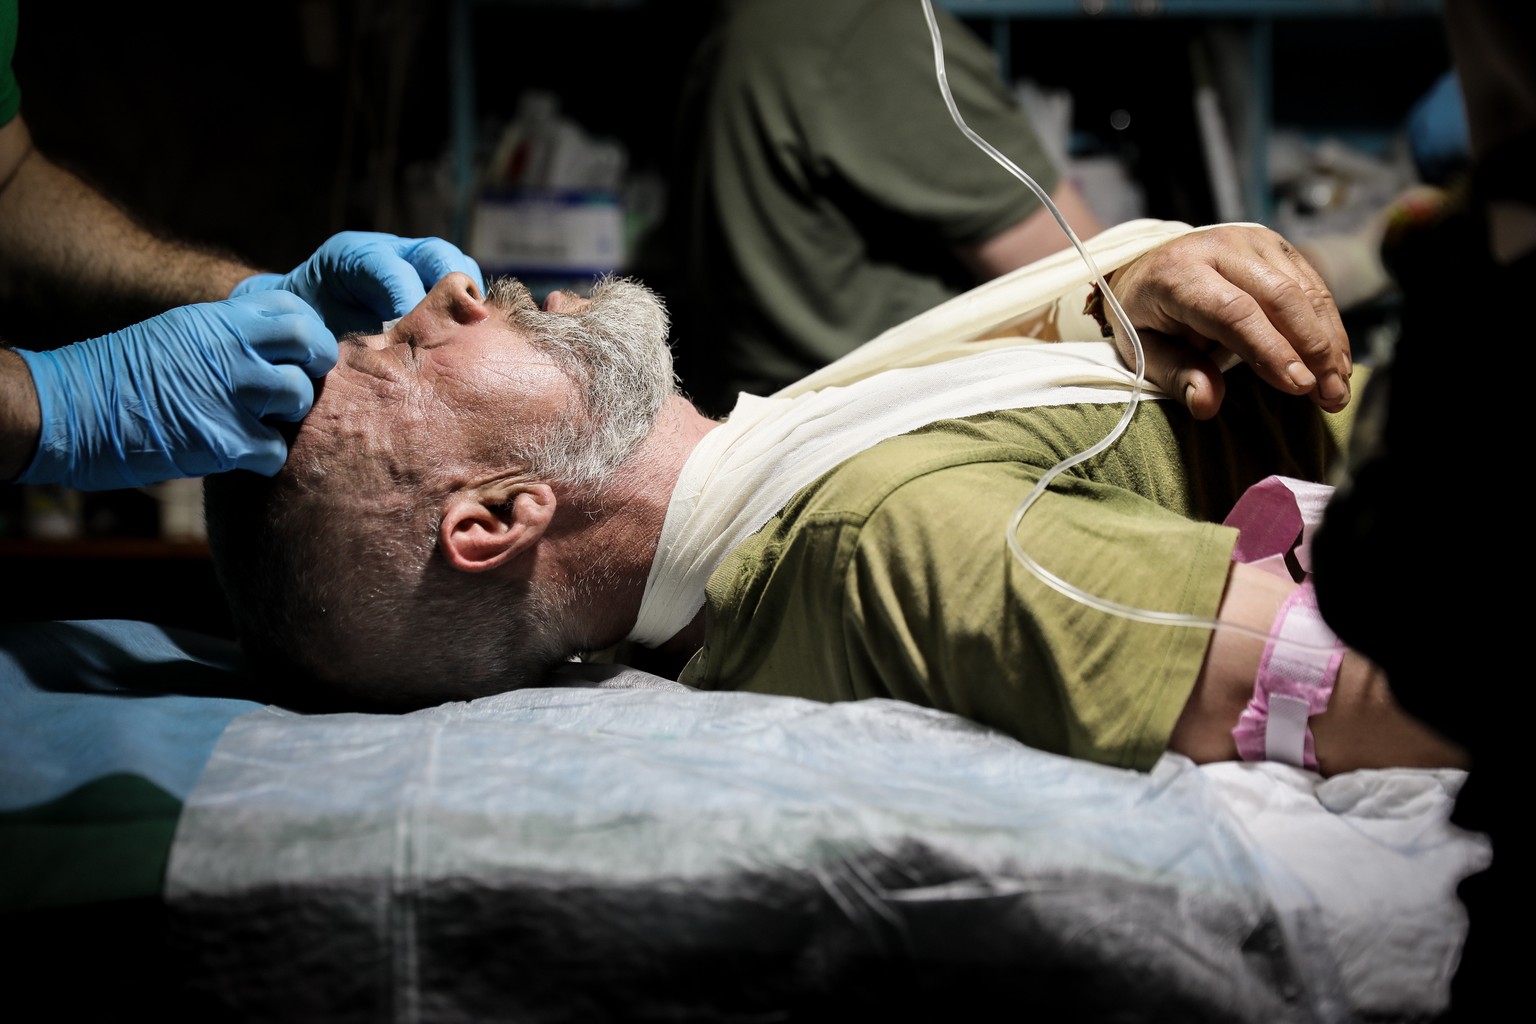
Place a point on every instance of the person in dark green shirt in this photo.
(823, 193)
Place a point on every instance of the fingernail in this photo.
(1334, 389)
(1300, 376)
(1189, 396)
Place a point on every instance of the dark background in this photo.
(262, 129)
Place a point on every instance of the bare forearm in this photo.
(20, 416)
(1034, 237)
(1362, 727)
(63, 241)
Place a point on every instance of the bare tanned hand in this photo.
(1230, 291)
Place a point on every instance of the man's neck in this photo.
(614, 537)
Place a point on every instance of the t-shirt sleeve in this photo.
(893, 578)
(938, 610)
(882, 128)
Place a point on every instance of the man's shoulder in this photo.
(914, 466)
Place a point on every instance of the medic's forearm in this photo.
(63, 241)
(20, 416)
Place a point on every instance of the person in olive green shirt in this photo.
(488, 488)
(822, 192)
(890, 576)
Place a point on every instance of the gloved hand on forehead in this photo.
(359, 279)
(183, 394)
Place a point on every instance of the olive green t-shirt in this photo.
(824, 186)
(891, 576)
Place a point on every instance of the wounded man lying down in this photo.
(487, 488)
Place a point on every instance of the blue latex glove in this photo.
(359, 279)
(182, 394)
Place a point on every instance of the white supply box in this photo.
(544, 233)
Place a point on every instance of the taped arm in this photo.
(1362, 726)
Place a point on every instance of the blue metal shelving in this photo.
(1256, 17)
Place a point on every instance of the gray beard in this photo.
(616, 353)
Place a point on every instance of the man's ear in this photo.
(490, 526)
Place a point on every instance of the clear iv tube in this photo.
(1045, 575)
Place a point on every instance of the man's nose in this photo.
(454, 300)
(565, 302)
(458, 295)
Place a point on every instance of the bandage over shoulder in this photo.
(1293, 684)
